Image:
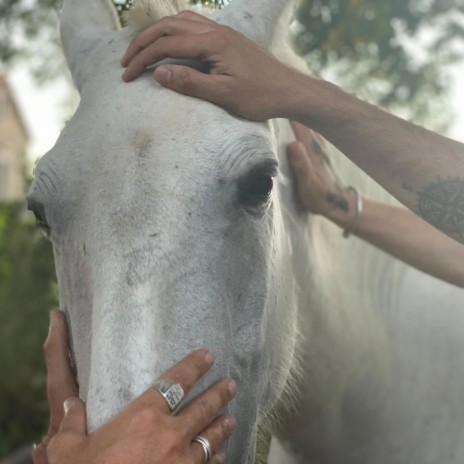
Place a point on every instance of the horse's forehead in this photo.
(142, 119)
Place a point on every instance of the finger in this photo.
(188, 81)
(39, 454)
(299, 161)
(192, 16)
(302, 133)
(198, 46)
(216, 434)
(301, 165)
(186, 373)
(61, 383)
(205, 407)
(75, 417)
(312, 141)
(172, 25)
(218, 458)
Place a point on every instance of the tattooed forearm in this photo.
(442, 205)
(338, 200)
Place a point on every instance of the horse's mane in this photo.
(144, 13)
(352, 282)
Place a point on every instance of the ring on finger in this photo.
(171, 391)
(204, 442)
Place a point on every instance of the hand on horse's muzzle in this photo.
(145, 432)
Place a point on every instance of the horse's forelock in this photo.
(144, 13)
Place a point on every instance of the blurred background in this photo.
(406, 55)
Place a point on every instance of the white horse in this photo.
(169, 235)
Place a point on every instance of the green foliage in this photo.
(373, 47)
(27, 32)
(27, 293)
(368, 46)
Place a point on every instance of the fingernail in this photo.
(209, 358)
(68, 404)
(51, 322)
(52, 319)
(125, 75)
(232, 386)
(163, 75)
(220, 458)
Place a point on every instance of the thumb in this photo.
(191, 82)
(75, 417)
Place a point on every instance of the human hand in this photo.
(145, 432)
(244, 78)
(319, 190)
(61, 383)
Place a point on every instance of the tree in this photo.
(371, 47)
(27, 292)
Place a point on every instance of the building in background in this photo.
(13, 143)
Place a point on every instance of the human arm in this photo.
(424, 170)
(395, 230)
(144, 432)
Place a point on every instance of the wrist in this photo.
(345, 218)
(314, 102)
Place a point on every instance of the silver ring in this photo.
(171, 391)
(206, 447)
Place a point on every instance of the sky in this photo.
(45, 109)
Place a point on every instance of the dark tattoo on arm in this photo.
(338, 200)
(442, 205)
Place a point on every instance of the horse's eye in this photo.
(256, 191)
(41, 220)
(262, 187)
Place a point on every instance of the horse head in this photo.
(167, 217)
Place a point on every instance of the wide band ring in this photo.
(171, 391)
(206, 447)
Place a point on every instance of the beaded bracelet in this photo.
(359, 209)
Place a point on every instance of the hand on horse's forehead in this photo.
(244, 78)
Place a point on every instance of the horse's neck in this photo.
(337, 321)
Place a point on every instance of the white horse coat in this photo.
(164, 244)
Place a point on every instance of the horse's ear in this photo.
(83, 23)
(259, 20)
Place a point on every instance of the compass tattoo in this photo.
(442, 204)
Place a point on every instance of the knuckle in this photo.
(209, 407)
(52, 450)
(146, 417)
(228, 34)
(186, 14)
(174, 439)
(184, 80)
(136, 44)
